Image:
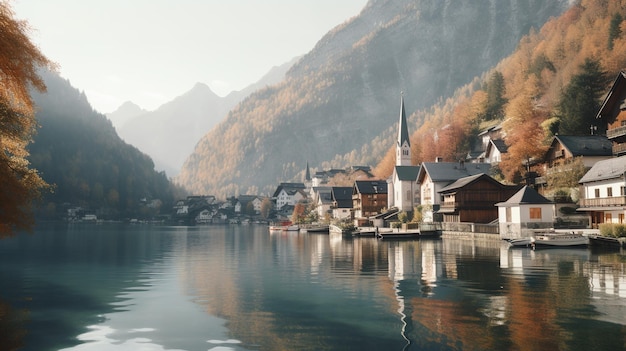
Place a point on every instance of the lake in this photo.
(238, 287)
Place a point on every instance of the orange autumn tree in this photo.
(523, 127)
(19, 61)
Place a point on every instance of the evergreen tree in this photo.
(495, 97)
(580, 102)
(614, 29)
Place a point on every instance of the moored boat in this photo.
(520, 242)
(285, 226)
(559, 239)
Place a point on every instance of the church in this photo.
(402, 188)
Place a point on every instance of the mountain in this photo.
(339, 98)
(170, 133)
(78, 151)
(124, 113)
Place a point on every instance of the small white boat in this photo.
(284, 227)
(520, 242)
(559, 239)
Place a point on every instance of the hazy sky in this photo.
(150, 51)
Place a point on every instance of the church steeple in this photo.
(307, 175)
(403, 146)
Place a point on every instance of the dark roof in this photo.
(342, 195)
(585, 145)
(500, 145)
(465, 181)
(451, 171)
(526, 195)
(370, 186)
(606, 169)
(614, 98)
(407, 172)
(290, 188)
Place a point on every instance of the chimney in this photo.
(438, 159)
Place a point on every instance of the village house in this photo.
(322, 199)
(401, 186)
(494, 151)
(342, 202)
(603, 192)
(434, 176)
(524, 213)
(289, 194)
(369, 197)
(472, 199)
(612, 113)
(565, 148)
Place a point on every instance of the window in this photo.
(508, 214)
(608, 218)
(622, 190)
(620, 218)
(597, 193)
(408, 195)
(609, 192)
(535, 213)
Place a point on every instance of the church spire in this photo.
(307, 175)
(403, 147)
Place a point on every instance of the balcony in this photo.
(603, 202)
(619, 149)
(616, 132)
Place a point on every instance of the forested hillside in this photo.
(78, 151)
(341, 97)
(553, 83)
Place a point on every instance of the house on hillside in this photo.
(342, 202)
(401, 186)
(494, 151)
(369, 197)
(603, 192)
(289, 194)
(434, 176)
(524, 213)
(565, 148)
(473, 199)
(613, 114)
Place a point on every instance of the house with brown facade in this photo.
(472, 199)
(612, 113)
(369, 197)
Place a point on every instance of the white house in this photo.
(494, 151)
(603, 191)
(323, 200)
(523, 213)
(342, 202)
(289, 194)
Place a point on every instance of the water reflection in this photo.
(242, 288)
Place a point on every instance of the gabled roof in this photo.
(614, 98)
(585, 145)
(342, 195)
(526, 195)
(290, 188)
(499, 144)
(370, 187)
(460, 183)
(606, 169)
(407, 172)
(450, 171)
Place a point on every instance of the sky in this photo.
(151, 51)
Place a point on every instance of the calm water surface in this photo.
(117, 287)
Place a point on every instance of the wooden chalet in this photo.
(369, 197)
(472, 199)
